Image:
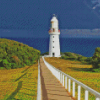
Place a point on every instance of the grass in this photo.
(78, 71)
(19, 84)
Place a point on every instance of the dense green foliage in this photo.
(16, 55)
(77, 57)
(96, 58)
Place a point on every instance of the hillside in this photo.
(76, 57)
(73, 56)
(14, 54)
(94, 60)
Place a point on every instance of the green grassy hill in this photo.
(77, 57)
(14, 54)
(73, 56)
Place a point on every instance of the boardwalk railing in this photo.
(39, 83)
(61, 76)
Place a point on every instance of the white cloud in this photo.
(80, 33)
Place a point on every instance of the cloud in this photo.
(80, 33)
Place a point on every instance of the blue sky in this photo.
(17, 17)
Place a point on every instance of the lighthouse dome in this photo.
(54, 19)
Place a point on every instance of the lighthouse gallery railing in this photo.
(60, 76)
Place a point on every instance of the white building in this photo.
(54, 44)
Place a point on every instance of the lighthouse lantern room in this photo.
(54, 44)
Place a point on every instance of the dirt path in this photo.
(51, 87)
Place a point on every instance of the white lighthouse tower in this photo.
(54, 44)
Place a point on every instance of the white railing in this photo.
(39, 83)
(61, 75)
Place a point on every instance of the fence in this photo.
(39, 83)
(61, 75)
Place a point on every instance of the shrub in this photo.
(24, 65)
(96, 70)
(81, 58)
(27, 62)
(1, 67)
(6, 64)
(66, 57)
(14, 54)
(72, 58)
(68, 54)
(89, 60)
(3, 53)
(13, 65)
(96, 58)
(62, 57)
(97, 49)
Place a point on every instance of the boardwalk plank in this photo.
(50, 86)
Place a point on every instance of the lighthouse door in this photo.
(53, 54)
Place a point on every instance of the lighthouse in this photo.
(54, 44)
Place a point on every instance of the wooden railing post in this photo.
(59, 76)
(69, 81)
(73, 89)
(79, 92)
(86, 94)
(55, 73)
(66, 82)
(63, 80)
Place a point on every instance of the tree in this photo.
(96, 58)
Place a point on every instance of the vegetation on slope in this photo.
(94, 60)
(19, 84)
(76, 57)
(16, 55)
(73, 56)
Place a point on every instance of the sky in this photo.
(31, 18)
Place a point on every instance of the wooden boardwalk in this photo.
(50, 86)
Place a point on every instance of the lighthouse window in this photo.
(53, 47)
(53, 41)
(53, 36)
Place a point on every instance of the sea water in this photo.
(83, 46)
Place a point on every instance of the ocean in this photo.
(83, 46)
